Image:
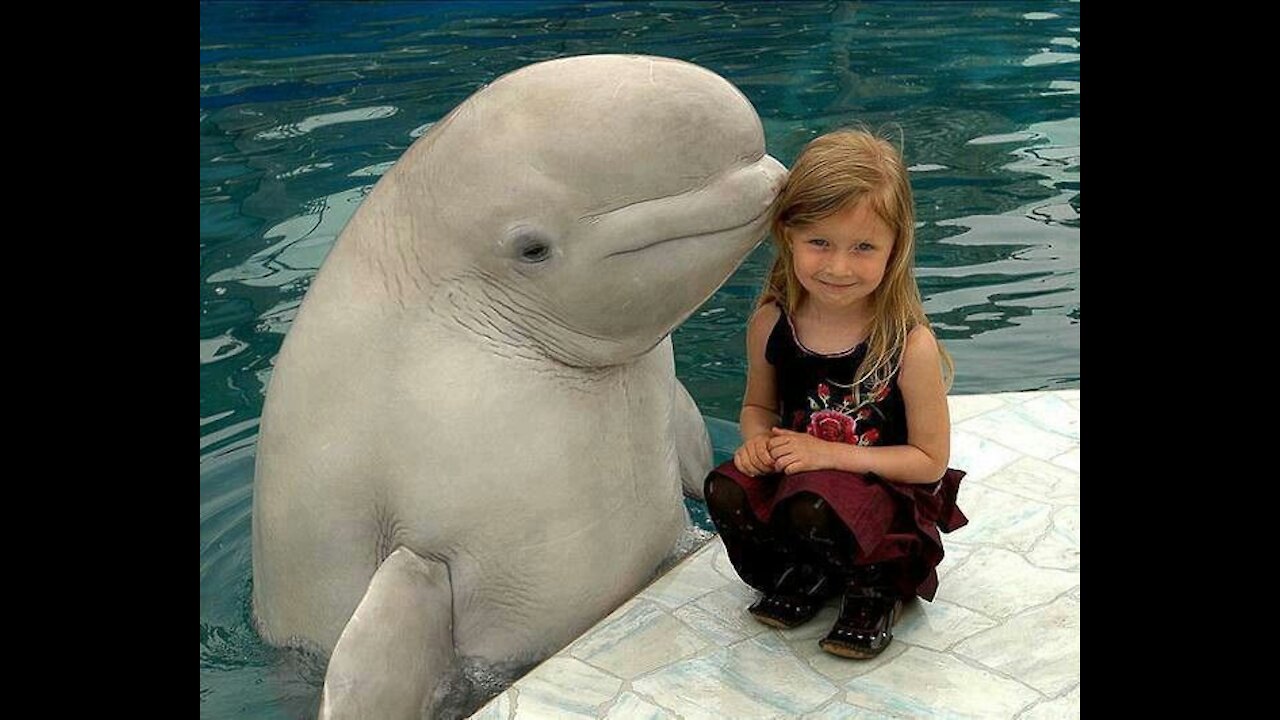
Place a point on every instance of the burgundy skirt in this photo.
(891, 522)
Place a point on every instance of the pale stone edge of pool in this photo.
(1000, 640)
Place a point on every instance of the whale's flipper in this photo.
(693, 444)
(397, 645)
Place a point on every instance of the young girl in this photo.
(841, 483)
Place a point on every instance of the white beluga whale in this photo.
(474, 444)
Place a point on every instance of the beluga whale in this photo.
(474, 445)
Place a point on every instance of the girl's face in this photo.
(841, 259)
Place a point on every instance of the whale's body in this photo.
(473, 439)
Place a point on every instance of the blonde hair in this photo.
(837, 171)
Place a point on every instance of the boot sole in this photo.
(779, 624)
(852, 653)
(848, 652)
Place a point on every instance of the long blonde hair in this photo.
(833, 172)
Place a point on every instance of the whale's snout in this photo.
(775, 174)
(759, 182)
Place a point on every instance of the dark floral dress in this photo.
(890, 521)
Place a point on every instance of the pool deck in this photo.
(1000, 640)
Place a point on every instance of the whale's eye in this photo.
(530, 245)
(535, 252)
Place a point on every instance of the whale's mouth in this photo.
(691, 236)
(693, 215)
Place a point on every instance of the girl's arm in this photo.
(760, 401)
(928, 450)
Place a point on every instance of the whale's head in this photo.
(585, 205)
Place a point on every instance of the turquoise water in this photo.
(303, 106)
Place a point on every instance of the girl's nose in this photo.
(840, 265)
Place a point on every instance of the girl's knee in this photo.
(710, 483)
(722, 488)
(723, 496)
(808, 510)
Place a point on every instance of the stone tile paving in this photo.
(1000, 640)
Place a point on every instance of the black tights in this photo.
(805, 549)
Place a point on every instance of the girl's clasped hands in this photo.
(784, 451)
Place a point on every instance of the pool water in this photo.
(303, 106)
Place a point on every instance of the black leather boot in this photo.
(798, 595)
(868, 612)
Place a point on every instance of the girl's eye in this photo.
(818, 242)
(865, 247)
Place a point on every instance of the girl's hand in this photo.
(794, 452)
(753, 457)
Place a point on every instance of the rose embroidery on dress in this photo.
(838, 421)
(833, 426)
